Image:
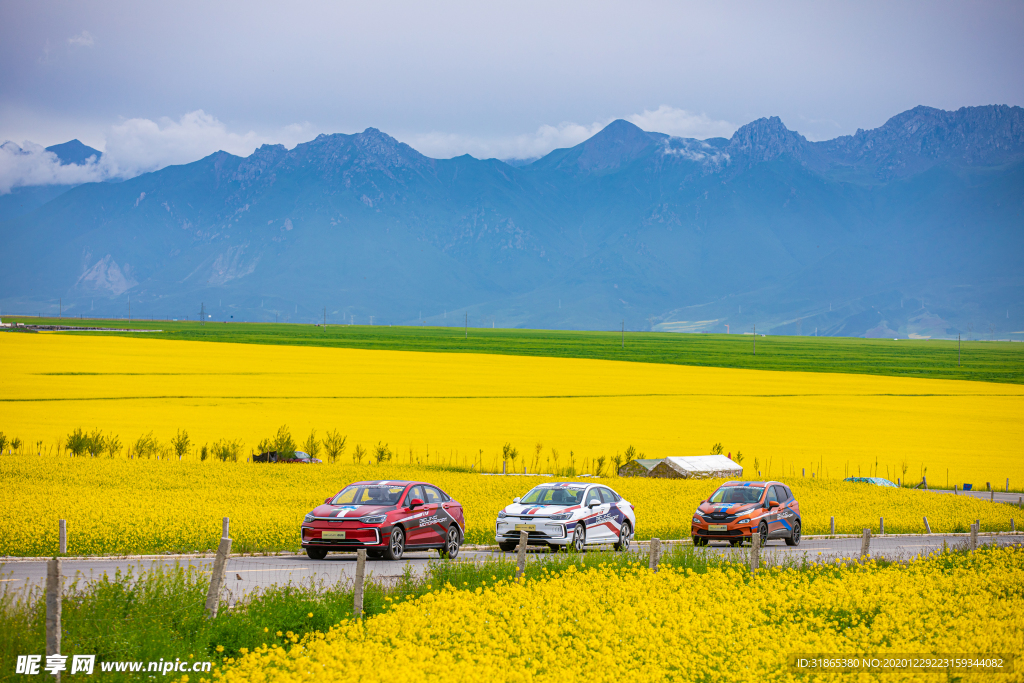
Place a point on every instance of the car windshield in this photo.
(369, 494)
(737, 494)
(551, 495)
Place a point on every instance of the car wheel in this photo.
(316, 553)
(762, 531)
(794, 537)
(579, 538)
(375, 554)
(698, 541)
(506, 547)
(396, 547)
(625, 534)
(451, 544)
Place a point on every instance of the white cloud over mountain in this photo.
(139, 145)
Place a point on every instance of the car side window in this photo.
(608, 496)
(414, 492)
(433, 495)
(772, 495)
(784, 495)
(593, 496)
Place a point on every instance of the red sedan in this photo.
(387, 518)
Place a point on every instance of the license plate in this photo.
(333, 534)
(526, 527)
(718, 527)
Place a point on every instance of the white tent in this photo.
(698, 467)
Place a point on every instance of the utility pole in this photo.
(958, 350)
(623, 334)
(755, 340)
(325, 317)
(202, 314)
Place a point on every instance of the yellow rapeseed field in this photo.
(714, 626)
(125, 506)
(461, 408)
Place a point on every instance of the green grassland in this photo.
(987, 361)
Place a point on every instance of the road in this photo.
(245, 573)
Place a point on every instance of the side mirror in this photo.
(414, 503)
(328, 499)
(773, 504)
(594, 503)
(516, 499)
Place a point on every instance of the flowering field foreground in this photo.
(717, 626)
(117, 506)
(461, 409)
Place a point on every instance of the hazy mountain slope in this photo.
(912, 228)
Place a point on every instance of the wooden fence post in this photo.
(53, 605)
(1011, 525)
(227, 524)
(755, 551)
(832, 531)
(927, 526)
(881, 526)
(217, 578)
(654, 554)
(63, 545)
(974, 537)
(521, 553)
(865, 544)
(357, 592)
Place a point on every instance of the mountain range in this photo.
(912, 229)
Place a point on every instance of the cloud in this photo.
(524, 146)
(83, 39)
(136, 146)
(682, 123)
(30, 164)
(139, 145)
(664, 119)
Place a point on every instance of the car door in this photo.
(597, 529)
(614, 514)
(435, 524)
(414, 533)
(775, 526)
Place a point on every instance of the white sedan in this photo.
(567, 514)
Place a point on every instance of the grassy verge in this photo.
(977, 360)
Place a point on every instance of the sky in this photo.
(152, 84)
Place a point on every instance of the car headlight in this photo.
(501, 514)
(744, 521)
(308, 518)
(561, 516)
(697, 520)
(373, 519)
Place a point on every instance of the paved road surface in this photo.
(992, 496)
(243, 574)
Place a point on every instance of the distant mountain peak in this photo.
(766, 139)
(614, 146)
(74, 152)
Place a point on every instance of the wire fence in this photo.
(351, 585)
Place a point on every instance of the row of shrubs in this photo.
(331, 446)
(95, 444)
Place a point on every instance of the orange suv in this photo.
(738, 509)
